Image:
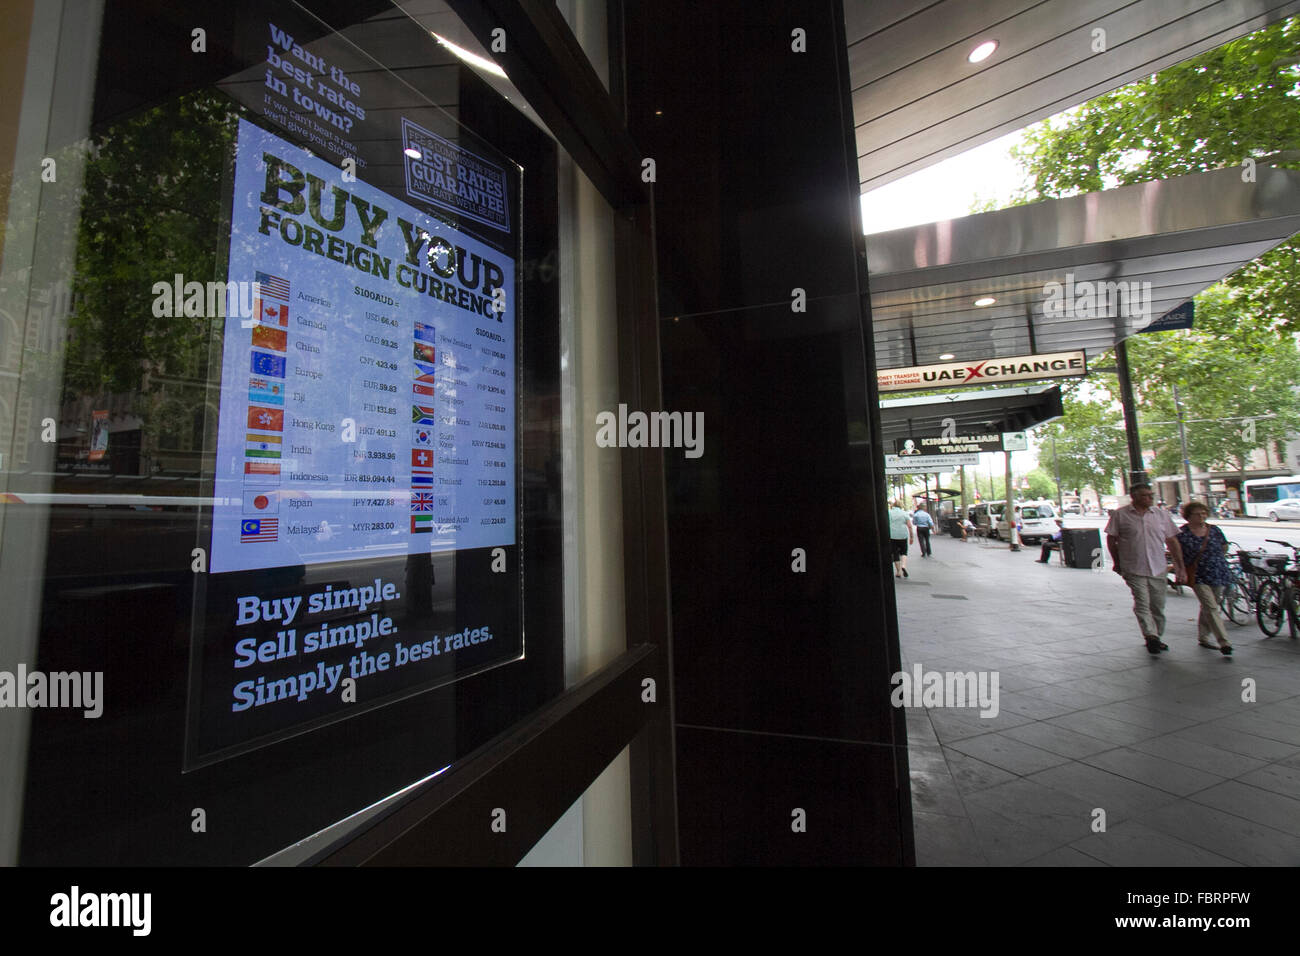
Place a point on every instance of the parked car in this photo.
(1038, 521)
(1284, 508)
(985, 517)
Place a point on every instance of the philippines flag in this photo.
(258, 529)
(425, 371)
(273, 286)
(421, 500)
(425, 333)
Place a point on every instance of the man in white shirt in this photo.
(1137, 536)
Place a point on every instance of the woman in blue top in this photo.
(1205, 546)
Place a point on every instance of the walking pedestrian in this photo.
(1137, 536)
(923, 523)
(900, 535)
(1205, 549)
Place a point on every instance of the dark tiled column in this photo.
(781, 676)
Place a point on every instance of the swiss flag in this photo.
(421, 458)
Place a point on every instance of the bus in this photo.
(1272, 498)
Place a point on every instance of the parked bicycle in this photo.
(1279, 597)
(1239, 597)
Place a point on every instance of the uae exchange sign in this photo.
(1019, 368)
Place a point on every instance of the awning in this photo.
(1164, 241)
(993, 410)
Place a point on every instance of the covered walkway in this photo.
(1186, 772)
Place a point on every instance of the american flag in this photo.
(273, 286)
(258, 529)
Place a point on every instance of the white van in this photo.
(1038, 522)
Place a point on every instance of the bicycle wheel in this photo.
(1230, 603)
(1269, 608)
(1242, 607)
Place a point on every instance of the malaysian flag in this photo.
(273, 286)
(421, 500)
(258, 529)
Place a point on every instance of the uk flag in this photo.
(421, 501)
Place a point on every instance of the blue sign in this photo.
(444, 174)
(1179, 318)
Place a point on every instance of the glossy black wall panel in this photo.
(781, 676)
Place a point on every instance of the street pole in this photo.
(1137, 471)
(1182, 438)
(1056, 466)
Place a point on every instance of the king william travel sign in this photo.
(1018, 368)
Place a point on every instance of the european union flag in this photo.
(264, 363)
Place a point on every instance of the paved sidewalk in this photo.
(1187, 774)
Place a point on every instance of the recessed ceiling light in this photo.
(946, 357)
(983, 51)
(987, 300)
(413, 152)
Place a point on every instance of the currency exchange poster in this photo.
(365, 448)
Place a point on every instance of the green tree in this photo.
(1236, 379)
(1089, 443)
(1041, 484)
(1235, 103)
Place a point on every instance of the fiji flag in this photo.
(263, 391)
